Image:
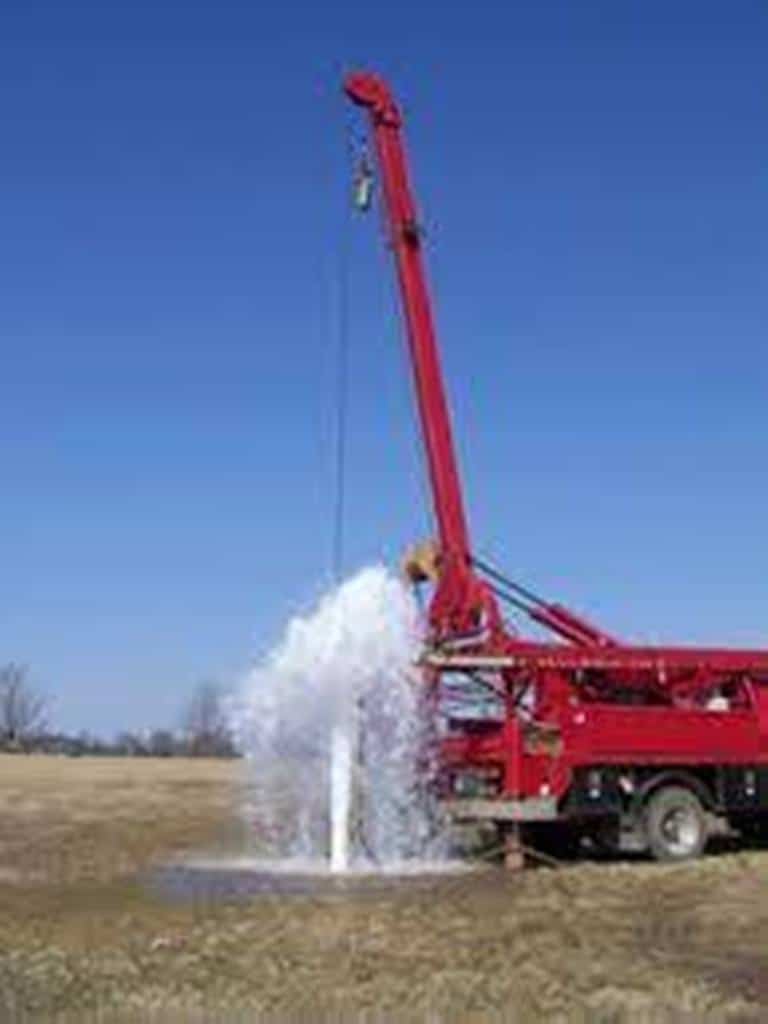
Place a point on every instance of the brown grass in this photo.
(82, 937)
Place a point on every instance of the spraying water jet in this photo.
(333, 729)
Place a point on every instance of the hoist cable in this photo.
(356, 152)
(342, 356)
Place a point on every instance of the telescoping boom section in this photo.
(580, 738)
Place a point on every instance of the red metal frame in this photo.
(606, 701)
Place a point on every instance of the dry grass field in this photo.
(84, 937)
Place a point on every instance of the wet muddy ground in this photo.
(122, 897)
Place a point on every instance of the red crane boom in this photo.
(463, 602)
(406, 239)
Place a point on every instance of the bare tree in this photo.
(206, 728)
(23, 711)
(161, 743)
(129, 744)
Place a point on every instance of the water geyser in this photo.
(331, 723)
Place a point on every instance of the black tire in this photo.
(675, 824)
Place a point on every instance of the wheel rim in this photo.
(680, 829)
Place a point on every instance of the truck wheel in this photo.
(675, 824)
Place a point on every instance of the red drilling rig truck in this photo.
(583, 738)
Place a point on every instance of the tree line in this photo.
(204, 729)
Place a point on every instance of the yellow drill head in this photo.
(421, 563)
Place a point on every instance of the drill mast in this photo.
(405, 236)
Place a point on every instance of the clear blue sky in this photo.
(594, 181)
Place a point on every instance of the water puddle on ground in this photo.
(241, 878)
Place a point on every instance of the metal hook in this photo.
(364, 182)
